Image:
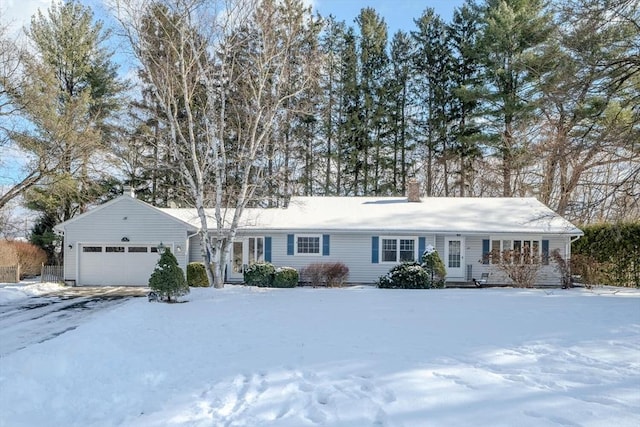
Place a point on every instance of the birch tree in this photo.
(220, 78)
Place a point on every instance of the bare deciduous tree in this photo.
(219, 70)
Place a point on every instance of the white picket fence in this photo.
(52, 273)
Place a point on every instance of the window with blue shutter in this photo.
(267, 249)
(325, 245)
(375, 248)
(290, 244)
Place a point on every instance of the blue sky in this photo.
(398, 14)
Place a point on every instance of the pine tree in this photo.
(167, 279)
(432, 61)
(70, 94)
(373, 67)
(465, 73)
(513, 32)
(399, 102)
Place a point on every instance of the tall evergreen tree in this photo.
(70, 93)
(332, 46)
(373, 67)
(432, 62)
(513, 33)
(349, 160)
(465, 75)
(399, 100)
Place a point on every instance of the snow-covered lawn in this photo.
(339, 357)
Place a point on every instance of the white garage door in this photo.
(116, 264)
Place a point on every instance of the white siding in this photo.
(548, 275)
(125, 217)
(354, 250)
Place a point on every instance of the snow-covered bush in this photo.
(259, 274)
(433, 265)
(285, 277)
(196, 275)
(167, 279)
(408, 275)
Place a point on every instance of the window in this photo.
(114, 249)
(398, 250)
(516, 251)
(138, 249)
(454, 254)
(256, 249)
(92, 249)
(407, 250)
(389, 250)
(308, 245)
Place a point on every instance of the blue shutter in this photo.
(545, 252)
(325, 245)
(375, 243)
(267, 249)
(485, 251)
(422, 244)
(290, 244)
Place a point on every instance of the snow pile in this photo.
(16, 291)
(338, 357)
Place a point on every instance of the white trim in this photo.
(397, 239)
(460, 272)
(315, 236)
(61, 227)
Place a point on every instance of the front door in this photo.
(245, 252)
(454, 257)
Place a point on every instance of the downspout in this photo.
(570, 253)
(186, 250)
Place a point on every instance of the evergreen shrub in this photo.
(259, 274)
(167, 279)
(433, 265)
(608, 254)
(197, 275)
(408, 275)
(285, 277)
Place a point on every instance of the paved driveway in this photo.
(34, 320)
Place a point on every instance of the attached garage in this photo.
(116, 244)
(116, 264)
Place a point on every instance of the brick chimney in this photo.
(413, 190)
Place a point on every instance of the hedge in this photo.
(608, 254)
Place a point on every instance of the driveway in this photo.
(34, 320)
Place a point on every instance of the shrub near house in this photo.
(167, 279)
(266, 275)
(196, 275)
(413, 275)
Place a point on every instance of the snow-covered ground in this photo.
(32, 312)
(338, 357)
(11, 292)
